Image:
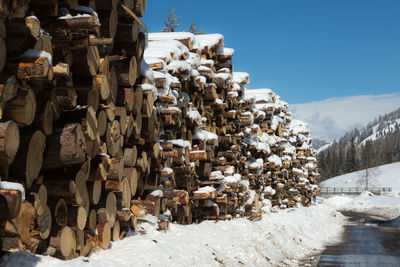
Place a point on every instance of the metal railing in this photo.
(354, 190)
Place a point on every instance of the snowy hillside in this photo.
(379, 130)
(385, 175)
(324, 147)
(373, 131)
(273, 241)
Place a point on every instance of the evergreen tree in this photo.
(322, 164)
(171, 24)
(349, 155)
(367, 158)
(352, 156)
(193, 29)
(388, 148)
(333, 161)
(341, 159)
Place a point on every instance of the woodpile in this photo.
(70, 130)
(103, 126)
(231, 149)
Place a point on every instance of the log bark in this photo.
(113, 137)
(122, 191)
(33, 68)
(96, 41)
(86, 62)
(99, 168)
(21, 108)
(9, 140)
(138, 100)
(92, 220)
(3, 54)
(142, 207)
(66, 97)
(109, 22)
(61, 70)
(29, 158)
(123, 215)
(25, 223)
(101, 83)
(139, 7)
(94, 190)
(43, 43)
(108, 214)
(44, 222)
(80, 238)
(127, 71)
(103, 234)
(116, 231)
(116, 169)
(120, 115)
(65, 242)
(132, 176)
(126, 98)
(66, 146)
(44, 119)
(77, 217)
(8, 88)
(87, 117)
(112, 76)
(106, 4)
(127, 32)
(9, 204)
(88, 96)
(147, 104)
(142, 161)
(102, 122)
(130, 156)
(38, 194)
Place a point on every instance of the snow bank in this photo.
(379, 207)
(273, 241)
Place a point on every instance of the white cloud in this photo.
(331, 118)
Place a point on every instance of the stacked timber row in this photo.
(71, 123)
(102, 132)
(228, 147)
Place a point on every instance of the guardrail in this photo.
(354, 190)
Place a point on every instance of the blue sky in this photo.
(305, 50)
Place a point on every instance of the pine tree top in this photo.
(171, 24)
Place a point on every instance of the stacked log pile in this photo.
(228, 147)
(71, 123)
(101, 131)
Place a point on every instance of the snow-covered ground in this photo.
(280, 239)
(383, 176)
(378, 207)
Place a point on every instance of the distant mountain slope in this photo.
(372, 132)
(379, 130)
(324, 147)
(385, 175)
(317, 143)
(376, 144)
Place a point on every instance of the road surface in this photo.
(367, 242)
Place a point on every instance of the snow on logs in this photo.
(228, 146)
(100, 131)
